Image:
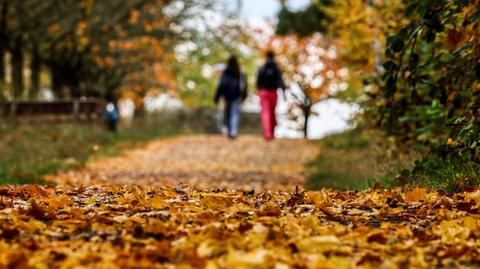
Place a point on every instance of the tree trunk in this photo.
(74, 88)
(73, 83)
(140, 110)
(35, 67)
(3, 22)
(17, 68)
(2, 62)
(57, 84)
(306, 114)
(65, 84)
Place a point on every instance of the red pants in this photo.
(268, 103)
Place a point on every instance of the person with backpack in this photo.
(269, 80)
(234, 90)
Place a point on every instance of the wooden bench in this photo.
(77, 109)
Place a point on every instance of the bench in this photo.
(76, 109)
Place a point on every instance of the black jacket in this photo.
(232, 86)
(270, 77)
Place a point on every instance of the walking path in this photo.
(206, 162)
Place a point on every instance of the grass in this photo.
(356, 160)
(449, 174)
(31, 151)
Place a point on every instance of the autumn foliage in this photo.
(311, 68)
(142, 227)
(131, 214)
(91, 47)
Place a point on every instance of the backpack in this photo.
(269, 77)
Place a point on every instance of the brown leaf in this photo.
(40, 212)
(377, 237)
(217, 202)
(269, 210)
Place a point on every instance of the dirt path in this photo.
(206, 162)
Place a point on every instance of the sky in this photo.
(260, 9)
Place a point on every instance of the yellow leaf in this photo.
(240, 259)
(473, 196)
(470, 223)
(316, 198)
(319, 243)
(205, 249)
(59, 202)
(450, 231)
(157, 202)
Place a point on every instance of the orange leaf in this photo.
(416, 195)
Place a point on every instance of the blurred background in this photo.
(377, 67)
(159, 63)
(147, 56)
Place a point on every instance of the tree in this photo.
(93, 47)
(3, 24)
(86, 51)
(200, 58)
(310, 67)
(304, 22)
(358, 28)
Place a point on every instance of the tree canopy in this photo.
(305, 22)
(358, 28)
(93, 47)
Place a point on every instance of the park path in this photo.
(203, 161)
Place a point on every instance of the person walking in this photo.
(269, 80)
(234, 90)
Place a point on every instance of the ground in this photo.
(205, 162)
(206, 202)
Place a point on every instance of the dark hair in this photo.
(233, 65)
(270, 54)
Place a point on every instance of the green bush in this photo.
(430, 96)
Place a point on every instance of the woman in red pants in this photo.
(269, 80)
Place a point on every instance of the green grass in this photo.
(447, 174)
(360, 159)
(356, 160)
(28, 152)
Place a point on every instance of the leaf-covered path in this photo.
(205, 162)
(126, 212)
